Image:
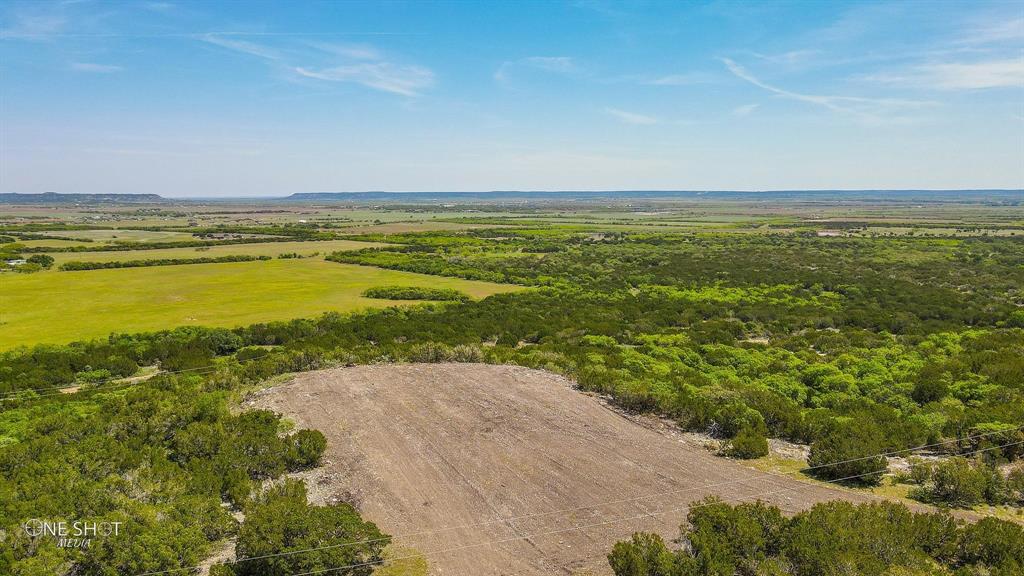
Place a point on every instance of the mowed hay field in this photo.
(259, 249)
(501, 470)
(59, 307)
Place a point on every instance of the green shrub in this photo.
(957, 483)
(43, 260)
(996, 543)
(250, 353)
(1015, 485)
(830, 539)
(644, 555)
(920, 471)
(221, 570)
(748, 444)
(236, 488)
(736, 416)
(849, 453)
(467, 353)
(961, 483)
(1016, 319)
(282, 521)
(430, 352)
(305, 449)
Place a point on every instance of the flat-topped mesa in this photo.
(75, 198)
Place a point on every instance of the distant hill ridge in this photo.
(59, 198)
(894, 195)
(995, 195)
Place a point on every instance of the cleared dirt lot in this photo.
(505, 470)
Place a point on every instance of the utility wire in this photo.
(19, 395)
(598, 504)
(583, 526)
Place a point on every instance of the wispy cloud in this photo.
(243, 46)
(94, 67)
(384, 76)
(159, 6)
(790, 58)
(1001, 73)
(745, 110)
(353, 51)
(872, 109)
(37, 25)
(552, 63)
(687, 79)
(356, 63)
(556, 64)
(627, 117)
(998, 31)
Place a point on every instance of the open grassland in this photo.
(114, 235)
(261, 249)
(66, 306)
(56, 243)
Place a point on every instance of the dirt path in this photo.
(494, 470)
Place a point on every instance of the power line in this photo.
(584, 526)
(123, 381)
(595, 505)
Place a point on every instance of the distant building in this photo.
(16, 262)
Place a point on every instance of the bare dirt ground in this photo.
(502, 470)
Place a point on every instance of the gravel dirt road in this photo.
(502, 470)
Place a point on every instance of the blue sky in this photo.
(269, 98)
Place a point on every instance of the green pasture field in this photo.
(67, 306)
(56, 243)
(421, 226)
(262, 249)
(114, 235)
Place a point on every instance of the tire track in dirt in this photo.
(451, 454)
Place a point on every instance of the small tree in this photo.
(1015, 485)
(957, 483)
(920, 471)
(850, 453)
(644, 555)
(748, 444)
(282, 521)
(305, 448)
(43, 260)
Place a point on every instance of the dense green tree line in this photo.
(961, 482)
(830, 539)
(898, 285)
(855, 346)
(75, 265)
(34, 263)
(850, 393)
(126, 246)
(22, 236)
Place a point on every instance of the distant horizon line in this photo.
(527, 191)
